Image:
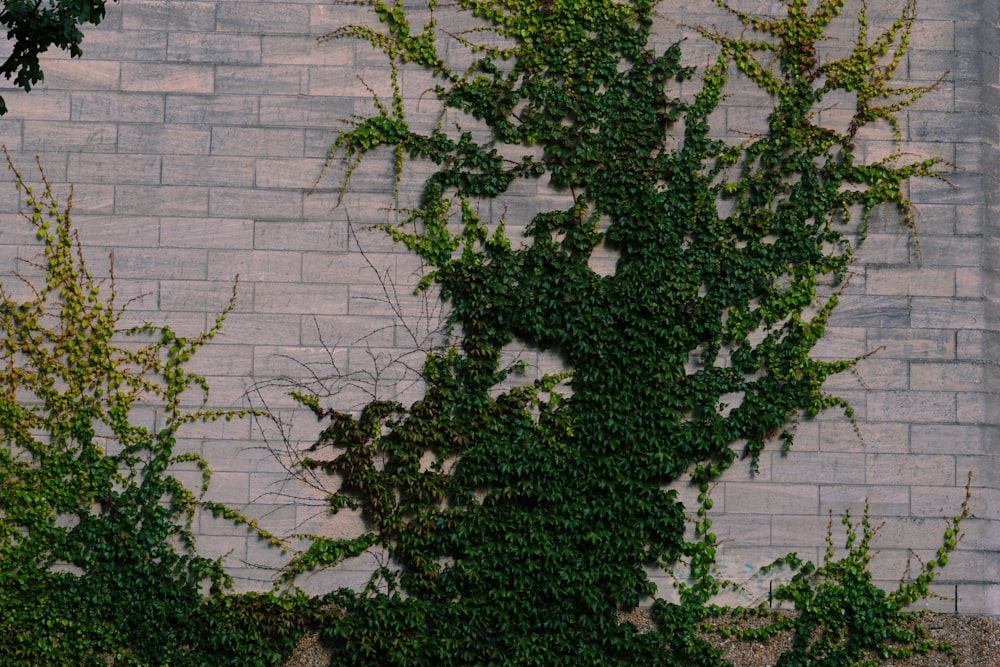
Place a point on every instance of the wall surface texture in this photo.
(195, 135)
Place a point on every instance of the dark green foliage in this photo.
(521, 521)
(252, 629)
(35, 25)
(97, 551)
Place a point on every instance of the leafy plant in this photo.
(34, 26)
(842, 618)
(98, 553)
(521, 520)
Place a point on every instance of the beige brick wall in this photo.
(195, 135)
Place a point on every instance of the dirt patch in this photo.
(975, 641)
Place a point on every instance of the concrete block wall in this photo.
(195, 135)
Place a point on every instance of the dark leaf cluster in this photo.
(33, 26)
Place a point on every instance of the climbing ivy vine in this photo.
(99, 561)
(522, 520)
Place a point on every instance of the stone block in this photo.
(937, 33)
(257, 142)
(303, 49)
(273, 488)
(230, 488)
(76, 74)
(921, 535)
(49, 136)
(253, 328)
(133, 45)
(974, 344)
(961, 188)
(303, 111)
(324, 18)
(300, 298)
(220, 359)
(971, 220)
(233, 453)
(941, 313)
(351, 268)
(261, 80)
(202, 296)
(318, 142)
(978, 533)
(299, 235)
(231, 549)
(950, 438)
(807, 436)
(168, 77)
(212, 109)
(947, 251)
(132, 108)
(881, 500)
(161, 200)
(884, 312)
(262, 18)
(227, 233)
(142, 310)
(976, 407)
(940, 502)
(897, 246)
(985, 472)
(373, 300)
(287, 173)
(43, 104)
(818, 468)
(349, 330)
(218, 48)
(912, 469)
(155, 15)
(117, 231)
(254, 265)
(912, 344)
(871, 373)
(163, 263)
(164, 139)
(916, 406)
(113, 168)
(746, 530)
(840, 343)
(350, 82)
(11, 130)
(795, 533)
(254, 203)
(208, 170)
(910, 281)
(228, 393)
(956, 376)
(771, 498)
(302, 364)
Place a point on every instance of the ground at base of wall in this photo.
(975, 639)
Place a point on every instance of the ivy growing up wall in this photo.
(522, 519)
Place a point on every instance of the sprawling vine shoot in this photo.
(540, 511)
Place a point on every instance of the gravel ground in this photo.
(974, 639)
(976, 642)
